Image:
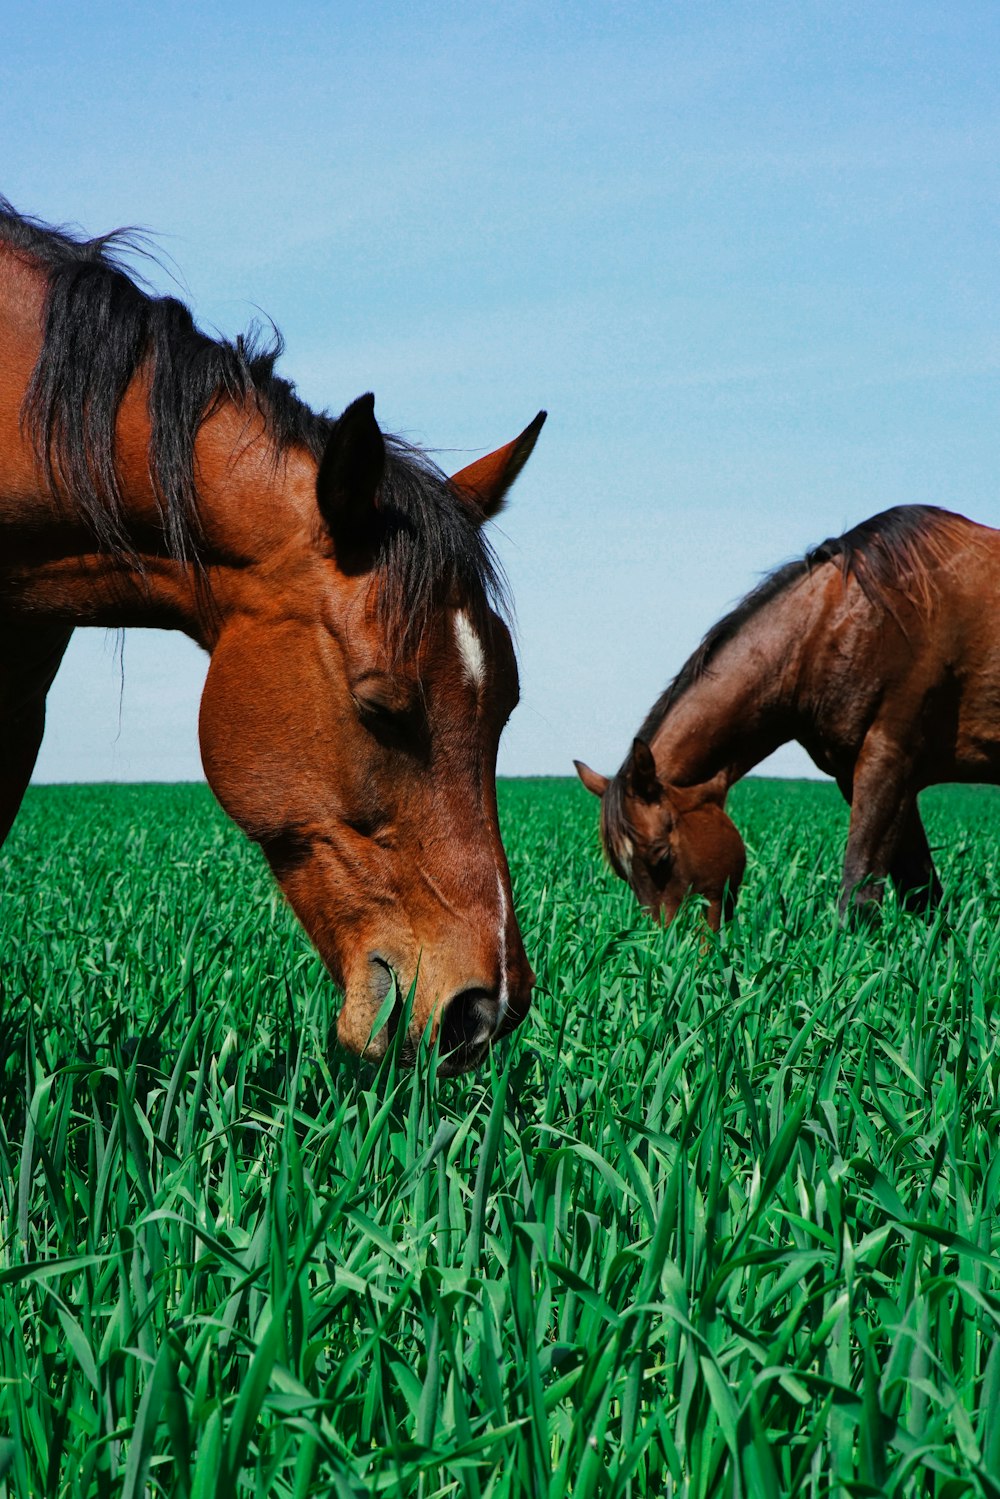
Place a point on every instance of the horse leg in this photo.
(29, 659)
(882, 806)
(912, 869)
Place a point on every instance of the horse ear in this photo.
(711, 793)
(596, 783)
(350, 472)
(717, 789)
(642, 772)
(484, 484)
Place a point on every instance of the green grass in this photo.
(721, 1220)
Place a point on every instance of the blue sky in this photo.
(746, 256)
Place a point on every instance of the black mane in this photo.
(101, 328)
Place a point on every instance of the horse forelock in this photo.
(432, 552)
(617, 834)
(101, 328)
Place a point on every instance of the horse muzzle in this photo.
(465, 1023)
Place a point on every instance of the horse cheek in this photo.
(255, 742)
(730, 864)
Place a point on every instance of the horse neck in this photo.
(254, 512)
(744, 705)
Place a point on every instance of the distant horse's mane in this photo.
(890, 554)
(101, 328)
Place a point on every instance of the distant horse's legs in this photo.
(29, 659)
(912, 869)
(882, 809)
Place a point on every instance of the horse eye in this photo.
(366, 825)
(380, 700)
(397, 721)
(375, 710)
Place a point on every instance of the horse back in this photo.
(918, 664)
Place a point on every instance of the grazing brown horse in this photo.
(880, 654)
(361, 672)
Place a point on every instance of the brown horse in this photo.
(880, 654)
(361, 671)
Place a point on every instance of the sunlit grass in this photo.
(721, 1220)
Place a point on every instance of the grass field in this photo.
(721, 1220)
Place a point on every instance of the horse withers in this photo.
(879, 652)
(361, 670)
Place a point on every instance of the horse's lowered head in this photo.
(350, 725)
(666, 840)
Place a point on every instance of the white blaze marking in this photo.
(504, 992)
(470, 648)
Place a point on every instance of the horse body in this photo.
(879, 653)
(360, 674)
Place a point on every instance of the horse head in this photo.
(667, 840)
(350, 724)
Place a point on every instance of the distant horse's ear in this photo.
(717, 789)
(350, 473)
(484, 484)
(596, 783)
(642, 772)
(711, 793)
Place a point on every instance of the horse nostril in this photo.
(469, 1020)
(380, 983)
(381, 979)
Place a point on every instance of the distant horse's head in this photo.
(350, 725)
(667, 840)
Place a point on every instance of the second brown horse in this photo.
(879, 653)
